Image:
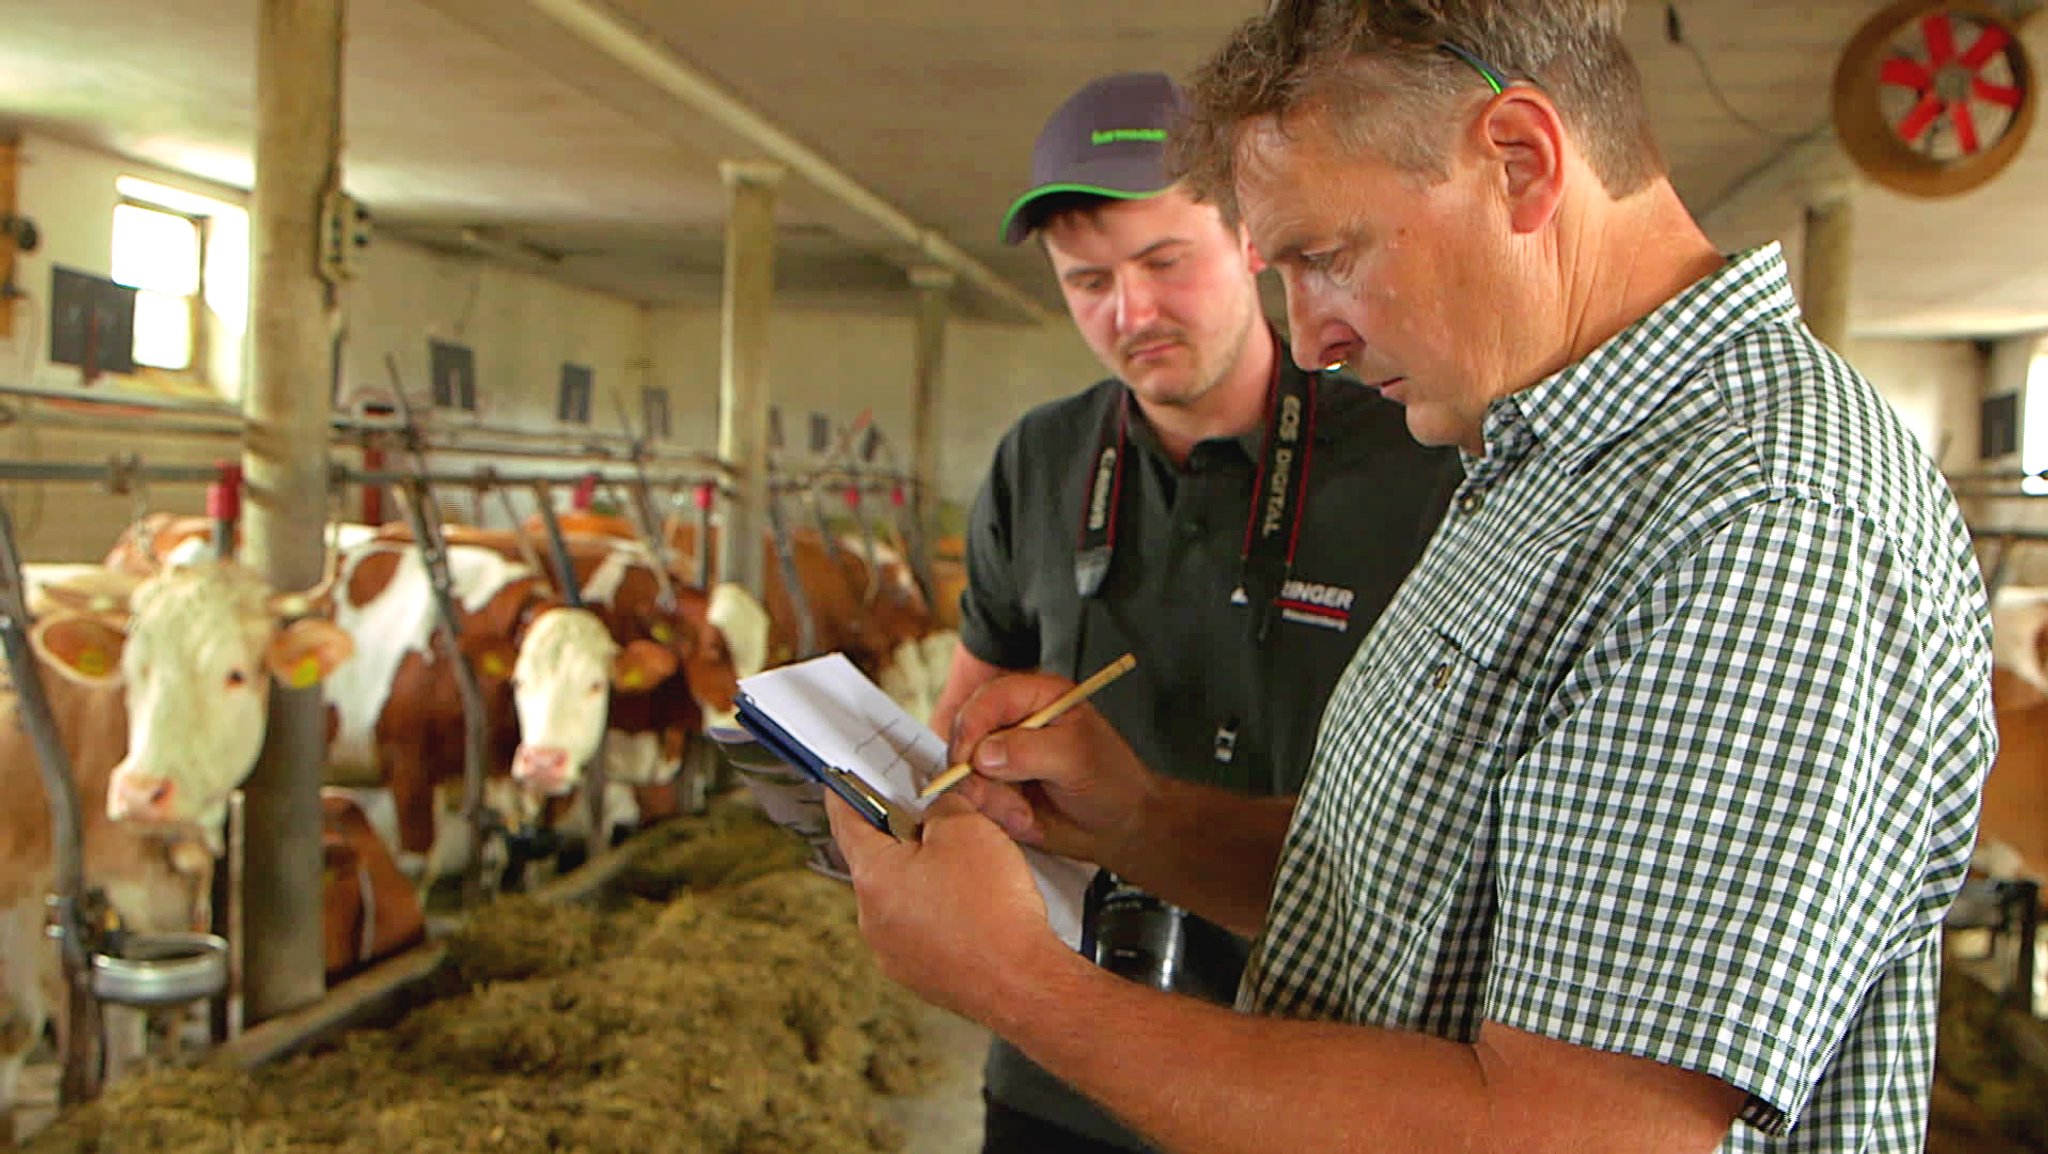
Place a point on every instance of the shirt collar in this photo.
(1587, 406)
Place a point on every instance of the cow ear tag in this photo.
(663, 633)
(306, 673)
(631, 679)
(494, 665)
(92, 661)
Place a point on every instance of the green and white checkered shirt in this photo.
(1672, 744)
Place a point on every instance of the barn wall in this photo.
(837, 360)
(839, 364)
(2007, 370)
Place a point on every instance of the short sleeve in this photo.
(1723, 841)
(994, 624)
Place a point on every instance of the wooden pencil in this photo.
(1039, 720)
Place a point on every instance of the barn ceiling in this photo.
(489, 119)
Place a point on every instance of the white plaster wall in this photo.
(2007, 369)
(521, 326)
(1934, 385)
(838, 361)
(841, 363)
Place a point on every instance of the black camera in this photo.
(1155, 943)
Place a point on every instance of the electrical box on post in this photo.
(344, 236)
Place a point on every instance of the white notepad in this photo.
(833, 712)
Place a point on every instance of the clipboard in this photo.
(857, 794)
(825, 720)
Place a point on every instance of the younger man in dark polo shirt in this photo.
(1235, 523)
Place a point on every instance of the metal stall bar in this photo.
(487, 481)
(512, 478)
(73, 918)
(641, 493)
(572, 593)
(706, 493)
(112, 471)
(425, 518)
(785, 561)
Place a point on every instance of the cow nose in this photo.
(141, 799)
(545, 767)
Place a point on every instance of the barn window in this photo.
(158, 253)
(187, 257)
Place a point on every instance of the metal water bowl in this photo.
(150, 970)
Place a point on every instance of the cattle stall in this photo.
(697, 989)
(496, 488)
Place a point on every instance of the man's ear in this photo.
(1252, 257)
(1522, 134)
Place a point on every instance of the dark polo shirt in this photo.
(1374, 498)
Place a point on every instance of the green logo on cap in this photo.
(1115, 135)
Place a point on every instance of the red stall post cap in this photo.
(224, 495)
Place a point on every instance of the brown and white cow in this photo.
(168, 701)
(624, 670)
(395, 711)
(369, 909)
(878, 618)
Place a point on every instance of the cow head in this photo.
(196, 651)
(562, 683)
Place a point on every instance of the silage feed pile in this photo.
(718, 1000)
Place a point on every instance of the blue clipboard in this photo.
(777, 741)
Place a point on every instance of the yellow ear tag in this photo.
(663, 633)
(92, 662)
(632, 679)
(494, 665)
(306, 674)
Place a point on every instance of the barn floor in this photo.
(947, 1118)
(944, 1120)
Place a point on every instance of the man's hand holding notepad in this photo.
(825, 717)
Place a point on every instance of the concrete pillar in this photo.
(743, 376)
(934, 304)
(298, 143)
(1825, 275)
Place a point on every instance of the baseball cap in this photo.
(1108, 139)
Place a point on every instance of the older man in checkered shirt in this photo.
(1633, 821)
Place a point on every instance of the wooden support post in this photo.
(298, 142)
(934, 287)
(743, 377)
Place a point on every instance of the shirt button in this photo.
(1470, 503)
(1440, 677)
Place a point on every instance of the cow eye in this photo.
(236, 678)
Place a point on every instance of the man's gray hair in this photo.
(1387, 76)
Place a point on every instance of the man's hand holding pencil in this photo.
(1068, 784)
